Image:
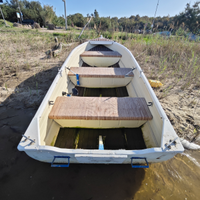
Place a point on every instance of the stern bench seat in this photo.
(96, 77)
(100, 112)
(101, 58)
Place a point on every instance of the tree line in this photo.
(186, 21)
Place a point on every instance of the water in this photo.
(178, 178)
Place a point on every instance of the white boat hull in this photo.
(100, 62)
(162, 142)
(97, 124)
(153, 155)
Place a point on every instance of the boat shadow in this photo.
(26, 178)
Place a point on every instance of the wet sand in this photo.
(23, 178)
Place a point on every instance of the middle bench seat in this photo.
(100, 112)
(93, 77)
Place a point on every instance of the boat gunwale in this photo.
(102, 152)
(38, 146)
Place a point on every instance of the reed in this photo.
(174, 61)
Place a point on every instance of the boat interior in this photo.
(104, 108)
(88, 138)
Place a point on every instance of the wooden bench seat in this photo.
(100, 112)
(101, 54)
(96, 77)
(100, 72)
(101, 58)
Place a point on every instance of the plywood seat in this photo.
(101, 58)
(100, 112)
(101, 41)
(101, 54)
(100, 72)
(96, 77)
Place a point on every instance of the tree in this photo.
(47, 14)
(77, 19)
(8, 12)
(190, 17)
(96, 14)
(60, 21)
(137, 18)
(32, 10)
(13, 3)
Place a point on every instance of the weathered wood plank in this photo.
(100, 108)
(66, 138)
(113, 138)
(134, 138)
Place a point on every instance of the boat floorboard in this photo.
(103, 92)
(66, 138)
(125, 138)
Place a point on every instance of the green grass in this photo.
(61, 34)
(7, 22)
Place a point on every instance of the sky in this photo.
(119, 8)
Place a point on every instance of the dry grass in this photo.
(24, 50)
(173, 61)
(176, 63)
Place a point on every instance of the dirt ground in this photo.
(183, 110)
(76, 30)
